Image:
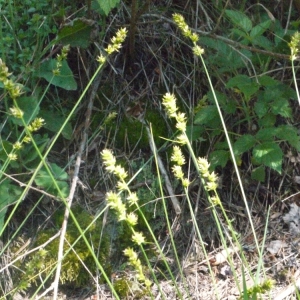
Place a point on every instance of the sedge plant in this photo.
(209, 179)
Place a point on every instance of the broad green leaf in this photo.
(269, 154)
(290, 134)
(266, 134)
(64, 80)
(239, 19)
(268, 120)
(259, 29)
(246, 85)
(195, 132)
(30, 108)
(54, 121)
(107, 5)
(208, 115)
(280, 106)
(261, 107)
(227, 105)
(45, 181)
(263, 42)
(259, 174)
(243, 144)
(77, 33)
(9, 194)
(266, 80)
(28, 154)
(218, 158)
(241, 33)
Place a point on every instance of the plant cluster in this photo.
(246, 118)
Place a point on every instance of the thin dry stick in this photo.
(94, 89)
(30, 251)
(164, 173)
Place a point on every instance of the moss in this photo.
(124, 287)
(133, 132)
(73, 272)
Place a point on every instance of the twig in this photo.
(95, 86)
(228, 41)
(30, 251)
(164, 173)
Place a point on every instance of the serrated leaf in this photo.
(290, 134)
(261, 107)
(107, 5)
(240, 33)
(240, 19)
(266, 134)
(259, 29)
(77, 33)
(243, 144)
(280, 106)
(269, 154)
(266, 80)
(218, 158)
(262, 42)
(64, 80)
(245, 84)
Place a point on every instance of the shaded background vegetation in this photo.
(247, 54)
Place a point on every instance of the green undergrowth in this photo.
(78, 264)
(131, 132)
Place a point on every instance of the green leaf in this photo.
(28, 154)
(45, 181)
(267, 120)
(259, 174)
(9, 194)
(269, 154)
(241, 33)
(259, 29)
(240, 19)
(77, 33)
(261, 107)
(64, 80)
(195, 132)
(243, 144)
(208, 115)
(30, 108)
(290, 134)
(5, 148)
(54, 121)
(266, 80)
(266, 134)
(246, 85)
(280, 106)
(262, 42)
(107, 5)
(227, 105)
(218, 158)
